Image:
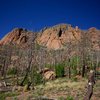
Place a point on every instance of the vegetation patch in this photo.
(8, 94)
(59, 70)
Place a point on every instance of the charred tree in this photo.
(30, 57)
(91, 82)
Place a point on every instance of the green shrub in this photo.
(8, 94)
(61, 98)
(74, 72)
(36, 78)
(69, 98)
(11, 71)
(74, 79)
(59, 70)
(26, 81)
(74, 63)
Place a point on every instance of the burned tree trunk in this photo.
(27, 71)
(30, 56)
(69, 70)
(83, 70)
(91, 82)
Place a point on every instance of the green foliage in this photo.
(74, 79)
(69, 98)
(12, 71)
(74, 63)
(26, 81)
(61, 98)
(50, 66)
(2, 96)
(8, 94)
(36, 78)
(59, 70)
(89, 62)
(74, 71)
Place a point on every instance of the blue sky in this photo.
(36, 14)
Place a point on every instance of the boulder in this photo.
(48, 74)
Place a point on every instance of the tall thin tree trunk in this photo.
(83, 70)
(27, 71)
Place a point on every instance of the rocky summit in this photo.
(18, 36)
(56, 37)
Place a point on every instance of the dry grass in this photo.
(63, 87)
(59, 88)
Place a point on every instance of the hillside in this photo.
(59, 62)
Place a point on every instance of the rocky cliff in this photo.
(18, 36)
(56, 37)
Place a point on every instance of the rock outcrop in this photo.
(48, 74)
(17, 36)
(94, 37)
(56, 37)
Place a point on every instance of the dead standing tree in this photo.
(6, 59)
(69, 59)
(85, 49)
(91, 82)
(30, 56)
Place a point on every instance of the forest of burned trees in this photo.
(76, 59)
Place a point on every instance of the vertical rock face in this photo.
(12, 36)
(17, 36)
(58, 36)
